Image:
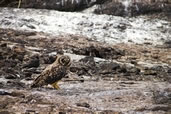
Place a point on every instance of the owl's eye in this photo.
(63, 60)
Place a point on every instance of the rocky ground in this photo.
(121, 78)
(119, 65)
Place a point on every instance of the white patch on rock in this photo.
(126, 3)
(52, 53)
(3, 80)
(103, 28)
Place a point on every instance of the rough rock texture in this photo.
(61, 5)
(111, 7)
(119, 65)
(120, 78)
(135, 7)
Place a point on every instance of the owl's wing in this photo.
(41, 79)
(50, 75)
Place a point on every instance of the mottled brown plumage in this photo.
(53, 73)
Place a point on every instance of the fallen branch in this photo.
(19, 3)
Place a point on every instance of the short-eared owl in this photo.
(53, 73)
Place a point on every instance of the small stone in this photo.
(62, 113)
(161, 108)
(167, 44)
(10, 76)
(6, 112)
(17, 94)
(2, 92)
(30, 112)
(3, 45)
(134, 70)
(150, 72)
(84, 104)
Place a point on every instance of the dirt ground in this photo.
(103, 79)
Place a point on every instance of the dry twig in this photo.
(19, 3)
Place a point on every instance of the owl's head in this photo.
(64, 60)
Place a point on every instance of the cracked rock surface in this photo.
(120, 78)
(120, 65)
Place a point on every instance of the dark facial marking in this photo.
(64, 60)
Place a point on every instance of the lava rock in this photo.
(17, 94)
(133, 8)
(32, 61)
(6, 112)
(48, 59)
(10, 76)
(100, 51)
(30, 112)
(3, 45)
(84, 104)
(85, 66)
(104, 52)
(150, 72)
(162, 97)
(88, 60)
(18, 84)
(108, 68)
(3, 92)
(167, 44)
(133, 70)
(161, 108)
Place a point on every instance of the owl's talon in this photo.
(55, 85)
